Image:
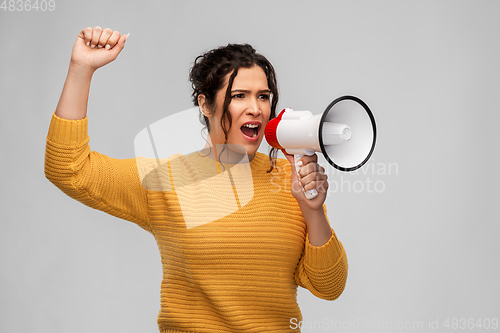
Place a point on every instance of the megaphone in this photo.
(345, 133)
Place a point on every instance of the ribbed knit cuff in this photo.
(324, 256)
(67, 132)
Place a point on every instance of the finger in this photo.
(119, 46)
(313, 177)
(103, 39)
(296, 185)
(86, 35)
(306, 159)
(113, 39)
(290, 158)
(96, 34)
(310, 168)
(320, 184)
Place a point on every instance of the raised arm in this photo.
(96, 180)
(93, 48)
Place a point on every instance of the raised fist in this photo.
(95, 47)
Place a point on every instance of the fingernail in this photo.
(88, 43)
(299, 163)
(99, 46)
(126, 36)
(108, 47)
(92, 46)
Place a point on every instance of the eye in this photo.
(264, 97)
(238, 96)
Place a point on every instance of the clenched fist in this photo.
(95, 47)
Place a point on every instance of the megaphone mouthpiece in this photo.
(334, 133)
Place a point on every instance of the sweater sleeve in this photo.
(96, 180)
(323, 269)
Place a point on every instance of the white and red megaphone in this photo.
(345, 133)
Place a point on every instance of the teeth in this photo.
(251, 125)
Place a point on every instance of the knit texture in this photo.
(237, 270)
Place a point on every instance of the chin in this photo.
(252, 147)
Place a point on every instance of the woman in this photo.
(239, 271)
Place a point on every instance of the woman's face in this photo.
(250, 108)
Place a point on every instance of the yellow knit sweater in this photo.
(237, 270)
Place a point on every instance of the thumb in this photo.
(291, 159)
(115, 51)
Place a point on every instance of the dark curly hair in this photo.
(210, 70)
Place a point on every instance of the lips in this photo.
(251, 130)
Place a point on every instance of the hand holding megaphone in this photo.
(345, 133)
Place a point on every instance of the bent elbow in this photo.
(336, 292)
(338, 285)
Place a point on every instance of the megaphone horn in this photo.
(345, 133)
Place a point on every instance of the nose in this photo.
(253, 108)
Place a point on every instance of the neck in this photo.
(227, 153)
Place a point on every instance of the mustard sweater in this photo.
(232, 259)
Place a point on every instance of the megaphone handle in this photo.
(311, 194)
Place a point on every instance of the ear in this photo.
(202, 102)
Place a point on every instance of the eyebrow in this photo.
(248, 91)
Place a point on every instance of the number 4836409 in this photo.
(28, 5)
(471, 323)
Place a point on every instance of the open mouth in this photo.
(250, 130)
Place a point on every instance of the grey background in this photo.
(422, 250)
